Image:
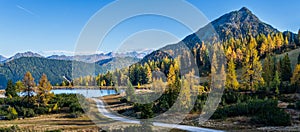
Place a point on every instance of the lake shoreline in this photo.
(82, 87)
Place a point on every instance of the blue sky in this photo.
(49, 26)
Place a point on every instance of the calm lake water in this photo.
(88, 93)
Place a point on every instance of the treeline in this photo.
(250, 57)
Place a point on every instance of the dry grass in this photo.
(114, 104)
(52, 122)
(92, 121)
(293, 55)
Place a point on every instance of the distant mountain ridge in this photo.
(2, 58)
(83, 58)
(25, 54)
(98, 57)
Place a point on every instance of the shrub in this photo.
(74, 115)
(244, 109)
(41, 110)
(298, 105)
(76, 107)
(3, 111)
(21, 111)
(13, 114)
(2, 101)
(291, 106)
(55, 108)
(26, 112)
(123, 100)
(273, 117)
(30, 113)
(200, 101)
(263, 112)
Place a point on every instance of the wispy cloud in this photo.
(24, 9)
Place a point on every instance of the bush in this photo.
(30, 113)
(75, 115)
(200, 101)
(76, 107)
(237, 97)
(13, 114)
(244, 109)
(263, 112)
(3, 111)
(298, 105)
(25, 112)
(123, 100)
(41, 110)
(273, 117)
(2, 101)
(55, 108)
(291, 106)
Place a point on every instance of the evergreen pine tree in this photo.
(146, 111)
(286, 70)
(10, 90)
(129, 91)
(276, 82)
(268, 71)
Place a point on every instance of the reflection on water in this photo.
(89, 93)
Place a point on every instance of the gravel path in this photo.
(106, 113)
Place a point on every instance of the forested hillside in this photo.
(55, 69)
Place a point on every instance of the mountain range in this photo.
(83, 58)
(233, 24)
(98, 57)
(2, 58)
